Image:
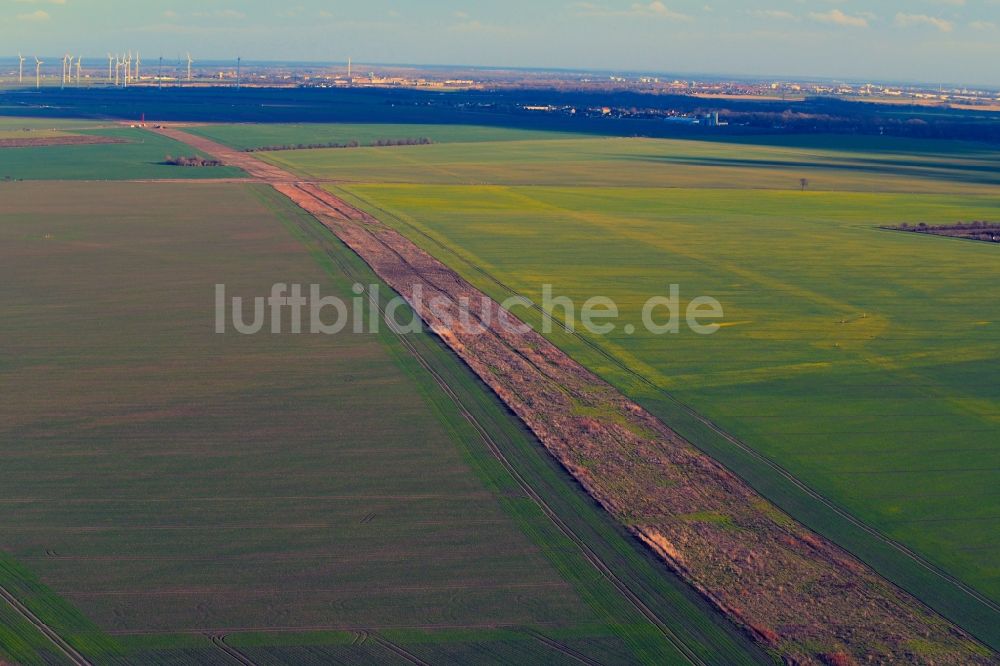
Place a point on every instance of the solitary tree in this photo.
(804, 182)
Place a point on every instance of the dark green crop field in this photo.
(171, 494)
(860, 362)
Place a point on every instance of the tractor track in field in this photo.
(559, 647)
(219, 641)
(789, 588)
(400, 651)
(745, 448)
(497, 452)
(65, 648)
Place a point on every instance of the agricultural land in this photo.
(847, 360)
(175, 496)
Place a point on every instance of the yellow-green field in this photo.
(865, 363)
(290, 134)
(840, 164)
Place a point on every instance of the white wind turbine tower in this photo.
(118, 69)
(20, 68)
(79, 63)
(69, 68)
(189, 66)
(127, 65)
(111, 60)
(38, 73)
(138, 61)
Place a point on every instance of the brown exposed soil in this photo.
(67, 140)
(795, 592)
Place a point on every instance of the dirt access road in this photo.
(795, 592)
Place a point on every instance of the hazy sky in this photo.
(925, 40)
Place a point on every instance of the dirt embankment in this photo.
(68, 140)
(795, 592)
(231, 157)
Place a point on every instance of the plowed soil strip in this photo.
(794, 591)
(497, 452)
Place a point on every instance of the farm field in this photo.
(283, 134)
(139, 157)
(858, 359)
(841, 164)
(170, 492)
(22, 123)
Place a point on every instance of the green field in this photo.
(280, 134)
(302, 496)
(138, 159)
(841, 164)
(863, 361)
(18, 123)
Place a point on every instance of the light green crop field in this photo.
(865, 363)
(845, 164)
(307, 497)
(32, 134)
(18, 123)
(284, 134)
(141, 157)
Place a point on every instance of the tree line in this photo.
(353, 143)
(191, 161)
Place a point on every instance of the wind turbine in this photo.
(138, 61)
(189, 66)
(20, 68)
(127, 68)
(118, 69)
(79, 63)
(38, 73)
(238, 71)
(111, 60)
